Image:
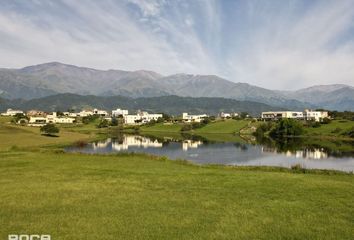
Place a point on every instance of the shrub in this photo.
(287, 127)
(49, 129)
(186, 127)
(349, 133)
(326, 120)
(103, 124)
(89, 119)
(337, 130)
(114, 122)
(316, 125)
(263, 128)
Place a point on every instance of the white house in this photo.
(141, 117)
(119, 112)
(11, 112)
(102, 113)
(193, 118)
(225, 115)
(50, 118)
(306, 115)
(37, 121)
(315, 115)
(282, 114)
(84, 113)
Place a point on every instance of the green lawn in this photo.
(329, 129)
(138, 197)
(20, 136)
(161, 127)
(226, 126)
(78, 196)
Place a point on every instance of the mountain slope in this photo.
(167, 104)
(337, 96)
(55, 78)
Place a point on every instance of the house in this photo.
(50, 118)
(101, 113)
(306, 115)
(85, 113)
(225, 115)
(228, 115)
(282, 114)
(193, 118)
(36, 113)
(315, 115)
(37, 121)
(53, 118)
(119, 112)
(141, 117)
(11, 112)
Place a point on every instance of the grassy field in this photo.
(333, 129)
(77, 196)
(226, 126)
(160, 127)
(138, 197)
(21, 136)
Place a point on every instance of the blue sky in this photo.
(276, 44)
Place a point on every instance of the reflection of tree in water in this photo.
(241, 146)
(282, 145)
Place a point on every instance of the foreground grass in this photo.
(139, 197)
(21, 136)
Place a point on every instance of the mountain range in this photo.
(56, 78)
(174, 105)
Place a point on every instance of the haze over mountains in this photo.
(56, 78)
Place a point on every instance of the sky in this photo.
(276, 44)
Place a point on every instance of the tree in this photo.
(103, 124)
(244, 115)
(287, 127)
(114, 121)
(18, 117)
(49, 129)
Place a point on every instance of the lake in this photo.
(203, 151)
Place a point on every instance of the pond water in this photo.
(202, 151)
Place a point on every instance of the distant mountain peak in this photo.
(55, 77)
(324, 88)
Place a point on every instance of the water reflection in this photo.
(203, 151)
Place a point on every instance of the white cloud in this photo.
(290, 54)
(267, 44)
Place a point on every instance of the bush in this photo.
(18, 117)
(287, 127)
(186, 127)
(89, 119)
(316, 125)
(337, 130)
(49, 129)
(114, 121)
(263, 128)
(349, 133)
(326, 121)
(103, 124)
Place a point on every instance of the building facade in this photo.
(11, 112)
(193, 118)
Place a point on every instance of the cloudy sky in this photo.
(277, 44)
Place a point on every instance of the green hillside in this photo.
(226, 126)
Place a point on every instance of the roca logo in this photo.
(29, 237)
